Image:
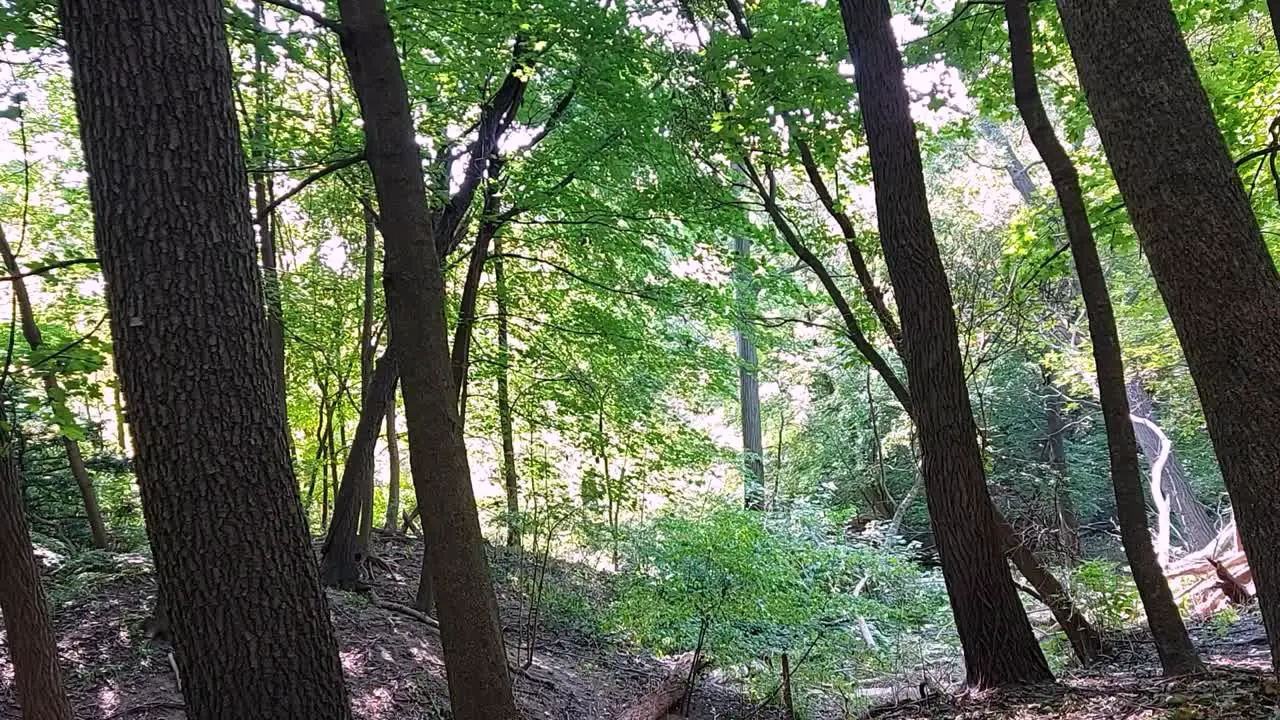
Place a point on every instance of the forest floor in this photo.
(392, 661)
(394, 670)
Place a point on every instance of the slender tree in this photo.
(475, 660)
(1199, 234)
(510, 480)
(999, 647)
(53, 390)
(249, 621)
(1177, 655)
(748, 380)
(392, 521)
(32, 647)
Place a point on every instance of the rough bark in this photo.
(475, 661)
(1177, 655)
(748, 380)
(167, 181)
(510, 480)
(344, 549)
(1199, 234)
(71, 447)
(999, 647)
(1197, 525)
(392, 521)
(33, 650)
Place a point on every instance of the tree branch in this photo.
(329, 169)
(317, 18)
(50, 267)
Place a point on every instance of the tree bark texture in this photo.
(506, 426)
(33, 649)
(1177, 655)
(1197, 525)
(999, 647)
(1198, 231)
(748, 380)
(250, 623)
(343, 547)
(475, 659)
(75, 460)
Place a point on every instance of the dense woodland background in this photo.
(656, 317)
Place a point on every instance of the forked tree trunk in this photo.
(343, 548)
(506, 426)
(748, 379)
(249, 620)
(999, 647)
(32, 647)
(475, 660)
(75, 461)
(1198, 231)
(1197, 527)
(1177, 655)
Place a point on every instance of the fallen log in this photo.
(1214, 577)
(662, 701)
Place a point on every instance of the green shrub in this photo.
(1109, 597)
(763, 584)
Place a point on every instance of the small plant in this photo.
(1107, 595)
(1223, 620)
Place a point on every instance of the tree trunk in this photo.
(999, 647)
(260, 133)
(367, 348)
(1197, 526)
(1198, 231)
(33, 650)
(506, 426)
(1177, 655)
(1056, 456)
(392, 521)
(31, 332)
(233, 561)
(475, 660)
(1085, 639)
(1273, 7)
(344, 549)
(748, 379)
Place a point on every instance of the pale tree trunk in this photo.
(1191, 214)
(510, 480)
(1056, 456)
(33, 650)
(31, 332)
(748, 379)
(167, 180)
(1177, 655)
(999, 647)
(1197, 525)
(475, 660)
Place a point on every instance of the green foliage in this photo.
(1107, 594)
(763, 585)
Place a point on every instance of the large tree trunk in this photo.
(1177, 655)
(1197, 526)
(250, 623)
(1200, 236)
(31, 332)
(999, 647)
(343, 547)
(510, 480)
(748, 380)
(32, 647)
(475, 661)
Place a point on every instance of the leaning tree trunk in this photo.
(1197, 526)
(748, 380)
(33, 649)
(35, 340)
(249, 621)
(343, 547)
(1177, 655)
(999, 647)
(1207, 255)
(475, 660)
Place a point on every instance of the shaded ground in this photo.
(392, 661)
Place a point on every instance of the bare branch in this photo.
(317, 18)
(50, 267)
(329, 169)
